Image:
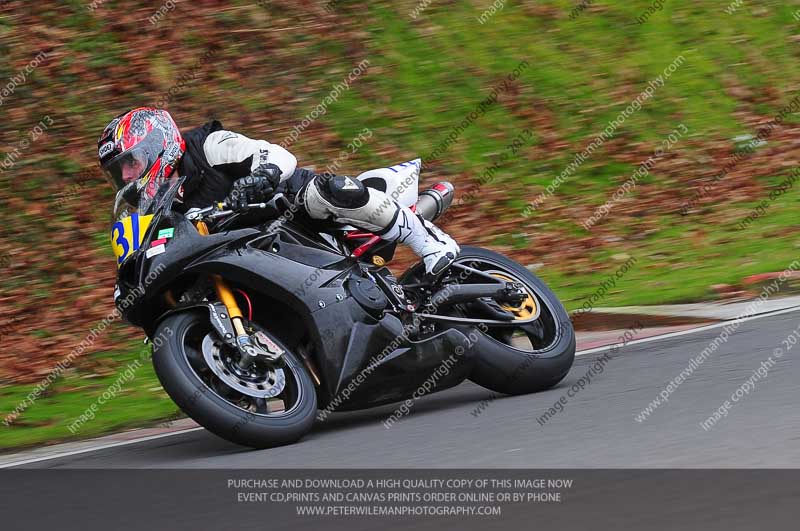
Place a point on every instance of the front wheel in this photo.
(261, 408)
(533, 356)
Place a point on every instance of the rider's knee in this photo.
(342, 191)
(349, 203)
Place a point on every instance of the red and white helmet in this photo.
(143, 146)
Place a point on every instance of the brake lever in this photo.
(212, 213)
(223, 213)
(220, 214)
(195, 214)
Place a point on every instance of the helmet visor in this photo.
(135, 164)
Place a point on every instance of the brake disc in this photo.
(266, 384)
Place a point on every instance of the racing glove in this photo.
(255, 188)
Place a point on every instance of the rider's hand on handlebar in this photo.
(256, 188)
(270, 172)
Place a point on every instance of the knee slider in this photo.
(342, 191)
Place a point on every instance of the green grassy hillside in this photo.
(554, 83)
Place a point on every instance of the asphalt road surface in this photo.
(596, 429)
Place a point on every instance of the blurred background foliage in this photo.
(261, 67)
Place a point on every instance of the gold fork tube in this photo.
(225, 294)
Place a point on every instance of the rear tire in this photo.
(218, 415)
(508, 370)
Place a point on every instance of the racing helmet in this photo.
(141, 146)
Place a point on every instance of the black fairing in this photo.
(298, 270)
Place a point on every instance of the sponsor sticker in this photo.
(166, 233)
(106, 148)
(156, 243)
(155, 251)
(172, 152)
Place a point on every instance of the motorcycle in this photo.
(260, 318)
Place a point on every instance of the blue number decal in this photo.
(119, 228)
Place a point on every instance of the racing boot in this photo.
(434, 246)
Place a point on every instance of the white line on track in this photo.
(95, 448)
(581, 353)
(689, 331)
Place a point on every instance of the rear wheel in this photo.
(532, 356)
(261, 407)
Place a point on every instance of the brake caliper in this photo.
(268, 348)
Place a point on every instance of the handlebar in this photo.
(220, 210)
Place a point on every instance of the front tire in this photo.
(178, 364)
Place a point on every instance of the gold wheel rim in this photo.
(526, 309)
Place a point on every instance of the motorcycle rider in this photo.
(145, 146)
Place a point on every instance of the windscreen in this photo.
(131, 216)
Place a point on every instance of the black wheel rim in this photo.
(291, 395)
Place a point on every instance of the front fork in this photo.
(248, 351)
